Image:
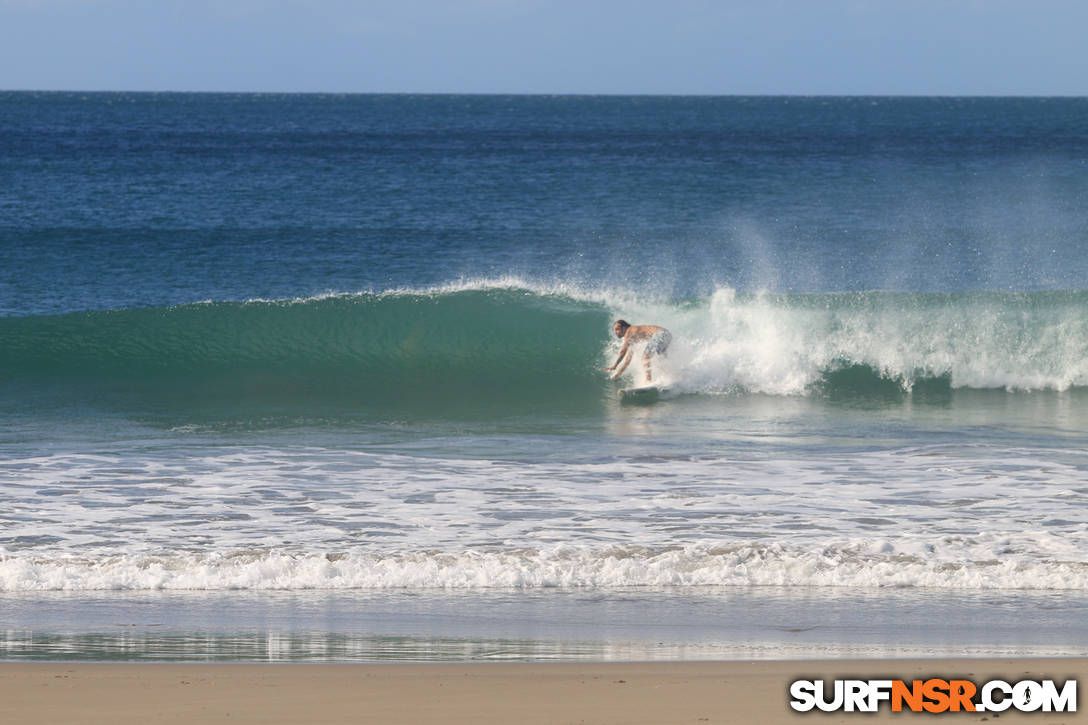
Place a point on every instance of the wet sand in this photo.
(651, 693)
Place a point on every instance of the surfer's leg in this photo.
(656, 345)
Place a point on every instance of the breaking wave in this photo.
(854, 565)
(515, 344)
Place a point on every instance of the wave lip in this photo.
(846, 565)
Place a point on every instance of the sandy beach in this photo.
(651, 693)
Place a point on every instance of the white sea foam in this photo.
(318, 518)
(779, 346)
(854, 564)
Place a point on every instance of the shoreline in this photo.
(553, 625)
(659, 693)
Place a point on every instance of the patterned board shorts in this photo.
(658, 344)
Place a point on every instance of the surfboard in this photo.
(642, 394)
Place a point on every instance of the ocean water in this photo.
(319, 377)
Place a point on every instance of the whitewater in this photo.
(256, 520)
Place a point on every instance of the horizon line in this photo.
(541, 94)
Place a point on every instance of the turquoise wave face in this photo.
(424, 351)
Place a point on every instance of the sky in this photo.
(723, 47)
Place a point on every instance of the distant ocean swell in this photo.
(515, 344)
(854, 565)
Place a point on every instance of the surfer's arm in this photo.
(626, 353)
(619, 358)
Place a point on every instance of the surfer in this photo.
(657, 343)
